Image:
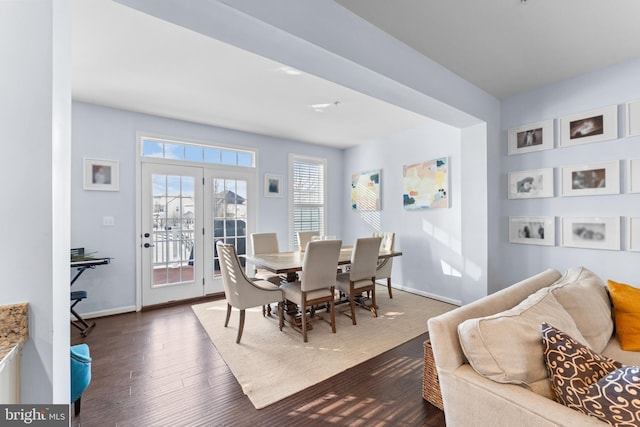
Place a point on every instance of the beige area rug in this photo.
(271, 365)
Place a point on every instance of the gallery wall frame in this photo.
(634, 175)
(591, 232)
(101, 174)
(591, 179)
(532, 230)
(632, 109)
(272, 185)
(530, 184)
(590, 126)
(530, 137)
(365, 190)
(426, 184)
(634, 234)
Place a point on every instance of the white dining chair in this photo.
(242, 292)
(361, 276)
(305, 237)
(317, 285)
(383, 271)
(265, 243)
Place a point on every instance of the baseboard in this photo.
(424, 294)
(109, 312)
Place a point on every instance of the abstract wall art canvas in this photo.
(426, 185)
(365, 191)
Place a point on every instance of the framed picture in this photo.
(426, 185)
(531, 137)
(591, 126)
(532, 230)
(101, 175)
(634, 176)
(593, 233)
(272, 185)
(365, 191)
(591, 179)
(633, 118)
(531, 184)
(634, 234)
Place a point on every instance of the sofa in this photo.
(490, 357)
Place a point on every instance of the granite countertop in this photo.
(14, 327)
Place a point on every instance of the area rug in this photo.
(271, 365)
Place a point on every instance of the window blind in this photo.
(307, 196)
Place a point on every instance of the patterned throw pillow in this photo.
(589, 382)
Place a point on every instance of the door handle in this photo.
(148, 245)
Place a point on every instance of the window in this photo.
(307, 195)
(178, 150)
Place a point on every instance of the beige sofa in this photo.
(510, 390)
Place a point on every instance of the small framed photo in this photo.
(101, 175)
(634, 234)
(591, 179)
(532, 230)
(633, 117)
(272, 185)
(591, 126)
(592, 233)
(531, 137)
(634, 176)
(531, 184)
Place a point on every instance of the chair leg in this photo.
(226, 321)
(352, 302)
(241, 327)
(304, 321)
(374, 307)
(333, 316)
(281, 314)
(389, 287)
(76, 406)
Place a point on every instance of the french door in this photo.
(185, 210)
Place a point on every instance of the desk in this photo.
(290, 263)
(83, 264)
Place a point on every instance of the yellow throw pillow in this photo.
(626, 311)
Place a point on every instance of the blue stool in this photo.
(80, 373)
(76, 297)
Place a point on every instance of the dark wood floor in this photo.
(159, 368)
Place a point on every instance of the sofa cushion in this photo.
(589, 382)
(584, 295)
(626, 310)
(506, 347)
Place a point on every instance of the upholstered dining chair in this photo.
(383, 271)
(305, 237)
(242, 292)
(265, 243)
(80, 374)
(361, 277)
(317, 285)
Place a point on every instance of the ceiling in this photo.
(123, 58)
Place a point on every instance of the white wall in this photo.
(35, 132)
(107, 133)
(612, 86)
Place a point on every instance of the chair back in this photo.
(233, 277)
(264, 243)
(305, 237)
(364, 258)
(320, 264)
(388, 243)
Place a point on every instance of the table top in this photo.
(89, 262)
(289, 262)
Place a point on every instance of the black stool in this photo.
(76, 297)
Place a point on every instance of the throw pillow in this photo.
(589, 382)
(626, 311)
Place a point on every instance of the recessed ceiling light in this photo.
(320, 108)
(289, 71)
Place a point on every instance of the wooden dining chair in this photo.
(242, 292)
(317, 285)
(383, 270)
(361, 276)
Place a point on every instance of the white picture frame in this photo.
(530, 184)
(532, 230)
(634, 234)
(632, 109)
(591, 232)
(590, 126)
(272, 185)
(634, 176)
(591, 179)
(531, 137)
(101, 174)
